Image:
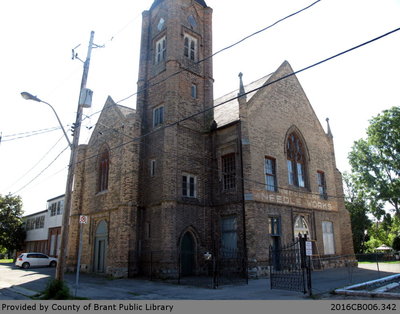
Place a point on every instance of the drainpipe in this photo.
(243, 204)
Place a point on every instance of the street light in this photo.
(29, 96)
(68, 188)
(72, 161)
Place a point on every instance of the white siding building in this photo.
(43, 229)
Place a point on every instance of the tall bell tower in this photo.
(175, 82)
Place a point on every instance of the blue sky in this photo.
(37, 38)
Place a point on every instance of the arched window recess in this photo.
(297, 159)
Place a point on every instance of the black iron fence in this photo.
(290, 267)
(227, 266)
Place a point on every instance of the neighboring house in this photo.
(234, 180)
(43, 229)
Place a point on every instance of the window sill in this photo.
(102, 192)
(191, 200)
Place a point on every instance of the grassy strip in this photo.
(6, 261)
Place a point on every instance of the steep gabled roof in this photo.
(229, 111)
(112, 113)
(157, 2)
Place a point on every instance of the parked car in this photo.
(27, 260)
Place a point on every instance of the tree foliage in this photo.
(358, 209)
(375, 161)
(12, 233)
(396, 243)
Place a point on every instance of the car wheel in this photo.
(53, 264)
(25, 265)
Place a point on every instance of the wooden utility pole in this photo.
(71, 169)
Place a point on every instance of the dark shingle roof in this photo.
(229, 110)
(157, 2)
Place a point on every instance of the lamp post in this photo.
(68, 190)
(29, 96)
(72, 161)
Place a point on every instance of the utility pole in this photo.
(71, 169)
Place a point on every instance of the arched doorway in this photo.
(187, 254)
(301, 227)
(100, 248)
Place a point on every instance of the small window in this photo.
(274, 226)
(161, 50)
(321, 185)
(53, 209)
(194, 91)
(37, 223)
(192, 21)
(158, 116)
(229, 171)
(190, 47)
(189, 183)
(270, 174)
(41, 224)
(152, 167)
(161, 24)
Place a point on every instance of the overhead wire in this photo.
(246, 93)
(36, 164)
(17, 136)
(41, 172)
(218, 170)
(218, 52)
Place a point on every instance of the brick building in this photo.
(185, 174)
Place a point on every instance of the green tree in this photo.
(396, 243)
(12, 232)
(375, 161)
(358, 209)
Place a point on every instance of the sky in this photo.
(37, 38)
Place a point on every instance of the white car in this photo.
(26, 260)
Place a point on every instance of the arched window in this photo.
(104, 167)
(301, 227)
(296, 161)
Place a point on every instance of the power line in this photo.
(249, 92)
(237, 176)
(223, 49)
(33, 167)
(17, 136)
(41, 172)
(218, 52)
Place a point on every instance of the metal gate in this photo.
(290, 267)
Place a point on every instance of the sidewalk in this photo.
(101, 288)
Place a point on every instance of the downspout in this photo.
(243, 204)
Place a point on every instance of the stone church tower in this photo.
(175, 82)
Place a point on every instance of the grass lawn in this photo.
(3, 261)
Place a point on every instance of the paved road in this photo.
(17, 283)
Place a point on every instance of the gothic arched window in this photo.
(104, 167)
(296, 161)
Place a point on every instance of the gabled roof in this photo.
(113, 113)
(229, 111)
(157, 2)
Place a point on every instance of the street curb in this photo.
(23, 291)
